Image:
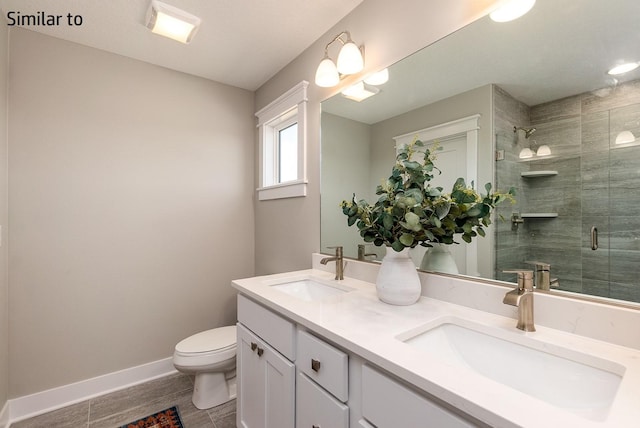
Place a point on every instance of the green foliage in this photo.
(409, 212)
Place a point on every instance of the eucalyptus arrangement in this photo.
(411, 212)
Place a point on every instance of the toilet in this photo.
(211, 357)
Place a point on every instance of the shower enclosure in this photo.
(578, 199)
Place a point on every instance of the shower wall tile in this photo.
(610, 98)
(508, 111)
(595, 180)
(562, 136)
(625, 179)
(624, 119)
(555, 110)
(594, 287)
(595, 183)
(595, 131)
(625, 232)
(625, 265)
(625, 291)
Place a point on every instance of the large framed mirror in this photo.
(551, 122)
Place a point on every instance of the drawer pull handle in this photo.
(254, 345)
(260, 352)
(315, 365)
(315, 426)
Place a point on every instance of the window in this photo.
(282, 135)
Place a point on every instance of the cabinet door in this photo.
(251, 401)
(316, 408)
(266, 384)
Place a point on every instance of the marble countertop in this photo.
(358, 322)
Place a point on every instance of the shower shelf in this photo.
(539, 215)
(534, 174)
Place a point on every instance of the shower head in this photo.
(527, 131)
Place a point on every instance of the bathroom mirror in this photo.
(578, 204)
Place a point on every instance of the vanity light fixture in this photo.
(350, 61)
(511, 10)
(526, 153)
(171, 22)
(625, 137)
(543, 150)
(378, 78)
(360, 91)
(623, 68)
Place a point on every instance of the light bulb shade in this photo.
(171, 22)
(350, 59)
(625, 137)
(511, 10)
(526, 153)
(327, 74)
(543, 150)
(379, 78)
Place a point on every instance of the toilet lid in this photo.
(211, 340)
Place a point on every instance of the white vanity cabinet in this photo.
(386, 403)
(266, 377)
(322, 384)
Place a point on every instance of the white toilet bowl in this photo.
(211, 357)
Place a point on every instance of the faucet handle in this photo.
(525, 278)
(540, 266)
(338, 249)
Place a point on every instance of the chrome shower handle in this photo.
(594, 238)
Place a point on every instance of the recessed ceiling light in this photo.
(623, 68)
(511, 10)
(360, 91)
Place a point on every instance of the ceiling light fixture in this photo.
(360, 91)
(350, 61)
(511, 10)
(171, 22)
(623, 68)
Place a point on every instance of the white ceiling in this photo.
(241, 43)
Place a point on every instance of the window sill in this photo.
(291, 189)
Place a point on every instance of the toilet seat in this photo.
(206, 348)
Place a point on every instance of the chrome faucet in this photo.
(362, 252)
(541, 276)
(522, 297)
(339, 262)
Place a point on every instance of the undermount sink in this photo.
(310, 289)
(580, 383)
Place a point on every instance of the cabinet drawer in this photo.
(316, 408)
(385, 402)
(279, 332)
(324, 364)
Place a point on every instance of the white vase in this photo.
(439, 259)
(398, 282)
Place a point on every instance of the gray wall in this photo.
(346, 169)
(131, 191)
(4, 281)
(390, 31)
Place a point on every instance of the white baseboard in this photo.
(4, 416)
(42, 402)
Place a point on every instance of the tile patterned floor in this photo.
(120, 407)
